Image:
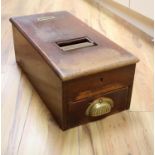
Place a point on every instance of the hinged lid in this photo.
(71, 47)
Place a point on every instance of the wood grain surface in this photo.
(28, 128)
(43, 36)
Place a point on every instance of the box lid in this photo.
(70, 47)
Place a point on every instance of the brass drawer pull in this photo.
(99, 107)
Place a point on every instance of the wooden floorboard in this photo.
(125, 133)
(28, 128)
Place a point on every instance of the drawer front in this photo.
(89, 109)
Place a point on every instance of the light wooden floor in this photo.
(27, 126)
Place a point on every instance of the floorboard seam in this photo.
(25, 123)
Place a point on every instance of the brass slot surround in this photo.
(99, 107)
(76, 43)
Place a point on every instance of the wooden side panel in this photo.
(41, 75)
(87, 86)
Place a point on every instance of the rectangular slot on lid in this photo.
(76, 43)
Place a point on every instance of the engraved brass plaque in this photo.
(45, 18)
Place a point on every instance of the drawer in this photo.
(80, 111)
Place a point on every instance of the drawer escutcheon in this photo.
(99, 107)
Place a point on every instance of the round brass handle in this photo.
(99, 107)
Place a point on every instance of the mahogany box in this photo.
(81, 75)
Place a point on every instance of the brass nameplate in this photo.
(45, 18)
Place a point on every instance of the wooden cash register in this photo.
(81, 75)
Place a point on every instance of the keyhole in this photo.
(101, 79)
